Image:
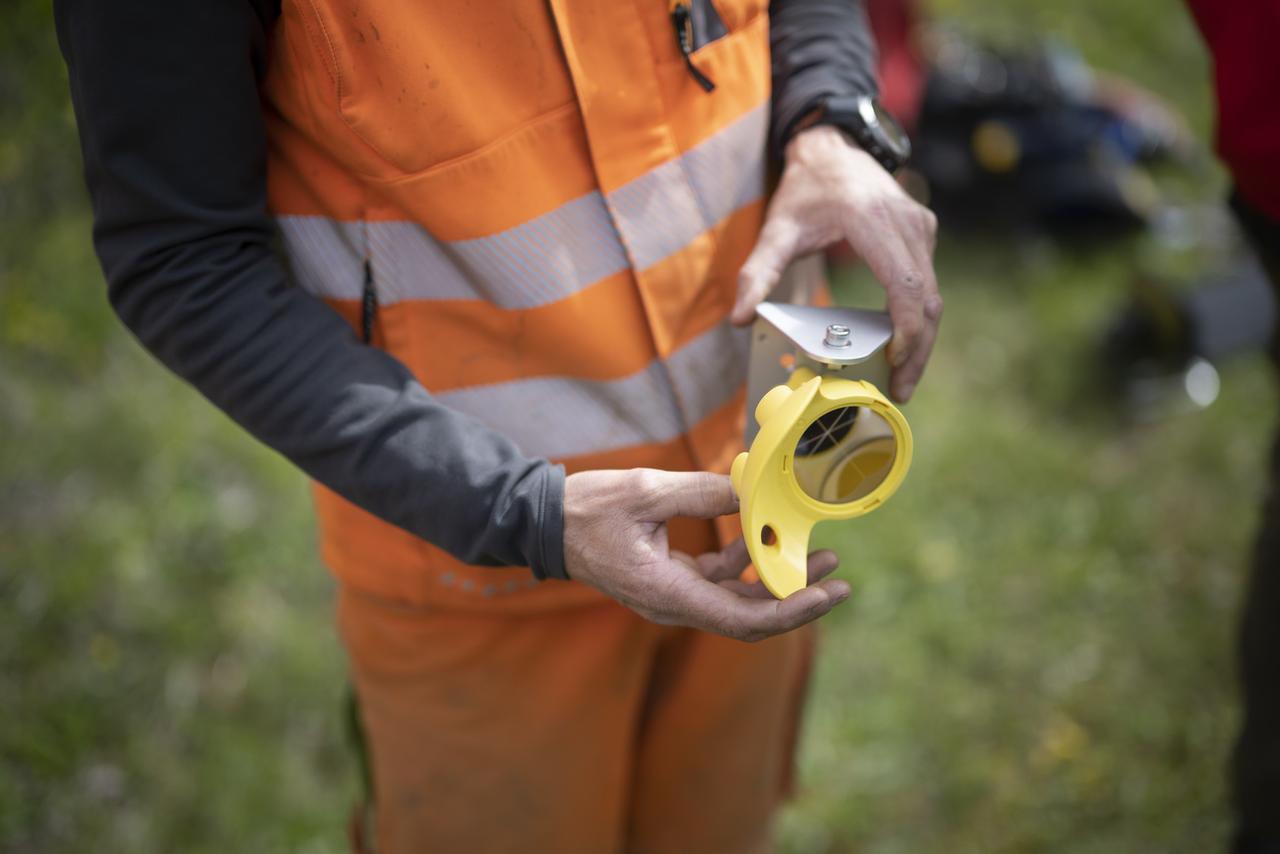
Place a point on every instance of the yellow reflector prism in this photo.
(826, 444)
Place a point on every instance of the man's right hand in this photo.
(615, 539)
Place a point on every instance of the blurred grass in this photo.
(1037, 657)
(1038, 653)
(169, 676)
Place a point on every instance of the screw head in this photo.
(838, 335)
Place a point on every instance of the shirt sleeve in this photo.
(819, 48)
(171, 130)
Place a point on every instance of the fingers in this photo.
(882, 246)
(702, 495)
(921, 243)
(905, 377)
(759, 275)
(736, 609)
(834, 587)
(896, 239)
(729, 562)
(715, 608)
(821, 564)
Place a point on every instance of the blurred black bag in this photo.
(1021, 140)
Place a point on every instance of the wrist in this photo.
(819, 145)
(863, 123)
(817, 138)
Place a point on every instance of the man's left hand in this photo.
(832, 189)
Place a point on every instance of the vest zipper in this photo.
(368, 304)
(682, 18)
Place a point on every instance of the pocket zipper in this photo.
(682, 18)
(368, 304)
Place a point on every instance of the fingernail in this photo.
(905, 390)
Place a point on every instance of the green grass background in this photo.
(1037, 656)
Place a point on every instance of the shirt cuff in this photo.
(546, 555)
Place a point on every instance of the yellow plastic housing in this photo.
(777, 513)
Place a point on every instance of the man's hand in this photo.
(831, 189)
(615, 539)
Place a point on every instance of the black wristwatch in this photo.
(869, 124)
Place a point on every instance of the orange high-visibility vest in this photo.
(551, 213)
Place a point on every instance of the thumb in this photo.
(698, 494)
(760, 274)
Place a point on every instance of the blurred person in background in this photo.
(510, 233)
(1241, 35)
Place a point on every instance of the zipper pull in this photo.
(683, 20)
(368, 304)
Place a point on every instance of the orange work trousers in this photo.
(580, 730)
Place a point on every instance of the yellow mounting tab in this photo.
(829, 444)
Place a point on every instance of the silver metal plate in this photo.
(805, 326)
(785, 337)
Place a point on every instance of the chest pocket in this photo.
(424, 83)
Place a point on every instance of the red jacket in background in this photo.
(1244, 38)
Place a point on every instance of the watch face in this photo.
(879, 132)
(895, 136)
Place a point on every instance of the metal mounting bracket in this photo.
(845, 342)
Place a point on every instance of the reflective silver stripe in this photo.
(552, 256)
(546, 259)
(326, 257)
(404, 255)
(541, 261)
(727, 171)
(663, 210)
(560, 417)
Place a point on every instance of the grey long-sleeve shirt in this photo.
(171, 129)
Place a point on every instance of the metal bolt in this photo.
(837, 335)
